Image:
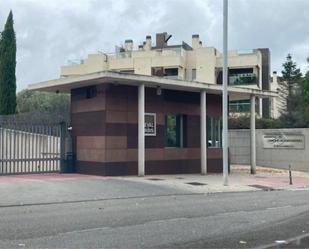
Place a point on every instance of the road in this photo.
(223, 220)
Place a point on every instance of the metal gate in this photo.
(31, 148)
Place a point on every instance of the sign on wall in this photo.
(283, 140)
(150, 124)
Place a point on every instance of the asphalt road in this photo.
(224, 220)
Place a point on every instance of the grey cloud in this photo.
(50, 32)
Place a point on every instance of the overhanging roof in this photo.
(67, 83)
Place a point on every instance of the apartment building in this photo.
(195, 62)
(278, 105)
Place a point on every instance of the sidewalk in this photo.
(277, 179)
(240, 179)
(60, 188)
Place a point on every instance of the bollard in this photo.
(290, 175)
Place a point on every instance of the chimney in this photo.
(196, 43)
(148, 44)
(128, 45)
(161, 39)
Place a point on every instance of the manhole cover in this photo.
(196, 183)
(264, 188)
(155, 179)
(180, 178)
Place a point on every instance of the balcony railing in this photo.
(239, 107)
(243, 79)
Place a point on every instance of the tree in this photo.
(292, 75)
(44, 105)
(306, 85)
(7, 68)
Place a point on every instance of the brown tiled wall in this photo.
(105, 131)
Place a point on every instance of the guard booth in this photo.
(126, 124)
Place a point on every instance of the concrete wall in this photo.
(239, 141)
(239, 149)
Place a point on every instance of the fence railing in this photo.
(30, 148)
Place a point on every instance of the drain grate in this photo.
(264, 188)
(196, 183)
(155, 179)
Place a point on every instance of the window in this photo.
(214, 132)
(174, 131)
(193, 74)
(239, 106)
(171, 72)
(91, 92)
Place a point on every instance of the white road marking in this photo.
(270, 208)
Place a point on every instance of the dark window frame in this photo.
(91, 92)
(180, 132)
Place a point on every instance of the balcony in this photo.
(239, 106)
(243, 79)
(168, 73)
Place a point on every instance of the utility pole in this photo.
(225, 94)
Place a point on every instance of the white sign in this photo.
(283, 140)
(150, 124)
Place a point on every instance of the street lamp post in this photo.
(225, 94)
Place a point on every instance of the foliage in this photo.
(43, 104)
(298, 112)
(243, 79)
(7, 68)
(290, 72)
(297, 115)
(243, 122)
(306, 86)
(292, 76)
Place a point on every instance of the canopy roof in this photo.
(64, 85)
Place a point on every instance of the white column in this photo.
(225, 95)
(141, 130)
(203, 133)
(252, 135)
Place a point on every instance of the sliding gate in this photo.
(31, 148)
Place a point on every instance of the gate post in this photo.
(62, 147)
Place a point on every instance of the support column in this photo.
(225, 96)
(203, 133)
(141, 130)
(252, 136)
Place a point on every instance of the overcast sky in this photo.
(51, 32)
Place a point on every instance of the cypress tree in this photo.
(7, 68)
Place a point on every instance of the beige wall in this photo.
(206, 60)
(278, 105)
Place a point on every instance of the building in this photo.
(278, 105)
(195, 62)
(156, 114)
